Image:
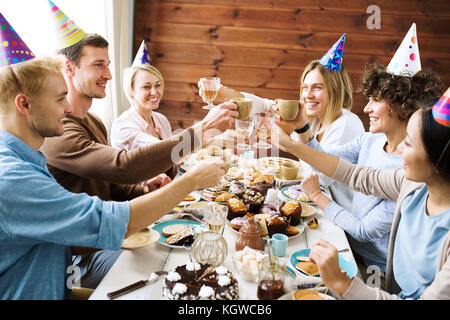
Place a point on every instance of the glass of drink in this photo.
(244, 129)
(215, 215)
(263, 122)
(210, 86)
(270, 282)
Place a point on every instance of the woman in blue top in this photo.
(392, 100)
(418, 264)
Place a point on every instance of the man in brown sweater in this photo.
(81, 159)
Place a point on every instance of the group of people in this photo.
(68, 198)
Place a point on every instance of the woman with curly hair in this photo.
(392, 101)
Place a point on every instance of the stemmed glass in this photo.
(245, 129)
(263, 122)
(210, 87)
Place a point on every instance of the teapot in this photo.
(250, 236)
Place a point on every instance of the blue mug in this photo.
(279, 244)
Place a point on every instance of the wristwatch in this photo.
(302, 130)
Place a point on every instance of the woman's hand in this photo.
(325, 255)
(310, 185)
(289, 126)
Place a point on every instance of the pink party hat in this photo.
(406, 60)
(67, 32)
(12, 48)
(441, 110)
(142, 56)
(332, 60)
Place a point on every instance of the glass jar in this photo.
(210, 247)
(270, 282)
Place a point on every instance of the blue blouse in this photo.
(417, 245)
(40, 221)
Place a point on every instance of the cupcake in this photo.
(254, 199)
(263, 187)
(292, 210)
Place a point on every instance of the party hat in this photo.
(441, 110)
(332, 60)
(67, 32)
(12, 47)
(142, 56)
(406, 60)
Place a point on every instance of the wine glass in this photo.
(245, 129)
(210, 87)
(263, 122)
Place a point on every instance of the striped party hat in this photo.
(406, 60)
(441, 110)
(142, 56)
(332, 60)
(12, 48)
(67, 32)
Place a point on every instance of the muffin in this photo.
(236, 208)
(254, 199)
(292, 210)
(277, 224)
(263, 187)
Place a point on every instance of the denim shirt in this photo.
(40, 221)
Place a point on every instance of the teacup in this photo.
(288, 109)
(279, 243)
(289, 170)
(244, 107)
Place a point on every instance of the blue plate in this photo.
(344, 263)
(194, 224)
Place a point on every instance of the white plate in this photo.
(197, 196)
(141, 239)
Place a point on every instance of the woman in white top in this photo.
(327, 97)
(141, 124)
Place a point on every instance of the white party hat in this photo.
(142, 56)
(406, 61)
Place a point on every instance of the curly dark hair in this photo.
(403, 94)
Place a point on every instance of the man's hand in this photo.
(157, 182)
(206, 173)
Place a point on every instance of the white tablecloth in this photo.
(138, 264)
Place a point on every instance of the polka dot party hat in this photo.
(142, 56)
(12, 48)
(406, 61)
(332, 60)
(441, 110)
(67, 32)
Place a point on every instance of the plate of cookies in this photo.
(178, 233)
(300, 260)
(296, 193)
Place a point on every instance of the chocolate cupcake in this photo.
(254, 199)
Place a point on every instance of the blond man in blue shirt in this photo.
(40, 220)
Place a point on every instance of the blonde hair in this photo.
(130, 75)
(339, 93)
(28, 77)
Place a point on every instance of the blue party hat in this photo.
(142, 56)
(332, 60)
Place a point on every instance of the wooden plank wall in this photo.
(262, 46)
